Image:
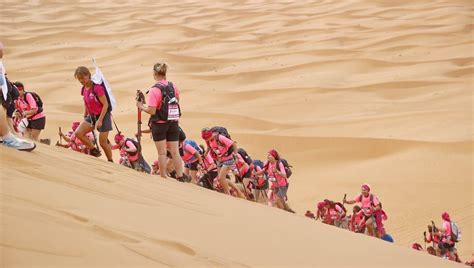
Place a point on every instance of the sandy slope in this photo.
(348, 91)
(118, 218)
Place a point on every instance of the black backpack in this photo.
(109, 109)
(288, 167)
(221, 130)
(139, 148)
(167, 97)
(245, 156)
(38, 101)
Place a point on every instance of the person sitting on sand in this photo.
(369, 203)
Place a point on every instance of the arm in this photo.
(147, 109)
(105, 106)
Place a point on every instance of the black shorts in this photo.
(10, 110)
(246, 175)
(39, 123)
(192, 166)
(444, 246)
(168, 131)
(106, 123)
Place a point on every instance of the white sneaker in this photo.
(19, 144)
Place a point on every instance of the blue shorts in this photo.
(227, 163)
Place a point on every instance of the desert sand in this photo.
(348, 91)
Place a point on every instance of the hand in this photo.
(17, 114)
(98, 124)
(139, 105)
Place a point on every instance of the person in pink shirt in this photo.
(209, 169)
(192, 159)
(128, 151)
(447, 245)
(96, 113)
(356, 221)
(369, 203)
(242, 173)
(68, 137)
(163, 106)
(276, 173)
(335, 213)
(27, 107)
(225, 150)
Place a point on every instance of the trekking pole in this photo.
(424, 238)
(116, 127)
(140, 98)
(60, 137)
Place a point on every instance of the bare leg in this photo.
(177, 161)
(223, 171)
(162, 158)
(370, 226)
(34, 134)
(81, 132)
(103, 137)
(194, 177)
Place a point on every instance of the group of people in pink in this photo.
(441, 241)
(217, 162)
(367, 217)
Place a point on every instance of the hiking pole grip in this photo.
(344, 199)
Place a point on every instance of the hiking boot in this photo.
(95, 152)
(19, 144)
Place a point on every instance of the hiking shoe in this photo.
(95, 152)
(19, 144)
(45, 141)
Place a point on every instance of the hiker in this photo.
(369, 203)
(96, 113)
(320, 210)
(29, 106)
(447, 243)
(209, 169)
(8, 139)
(163, 106)
(129, 154)
(356, 221)
(190, 153)
(380, 216)
(259, 181)
(69, 137)
(335, 213)
(242, 173)
(224, 150)
(276, 173)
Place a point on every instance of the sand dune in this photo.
(349, 91)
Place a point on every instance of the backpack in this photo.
(139, 148)
(288, 167)
(245, 156)
(38, 101)
(170, 109)
(221, 130)
(455, 232)
(194, 145)
(342, 206)
(109, 109)
(261, 183)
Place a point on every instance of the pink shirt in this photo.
(209, 163)
(188, 154)
(132, 156)
(447, 232)
(155, 97)
(365, 201)
(28, 103)
(93, 105)
(281, 181)
(241, 164)
(221, 147)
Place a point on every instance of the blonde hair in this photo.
(160, 68)
(82, 71)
